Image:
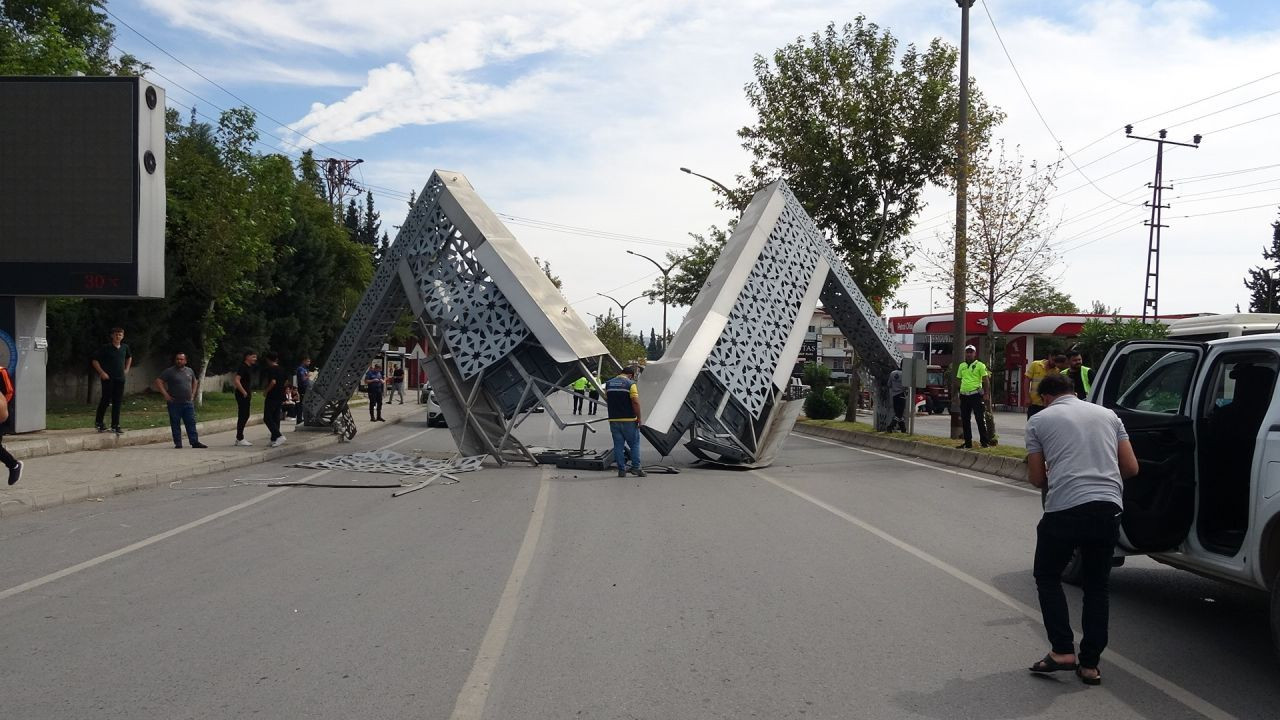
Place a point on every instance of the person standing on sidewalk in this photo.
(112, 362)
(243, 382)
(975, 389)
(6, 396)
(178, 385)
(397, 385)
(302, 378)
(273, 397)
(898, 392)
(622, 397)
(374, 381)
(1079, 453)
(1078, 373)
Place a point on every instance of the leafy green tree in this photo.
(692, 267)
(1263, 282)
(1096, 336)
(624, 348)
(59, 37)
(1040, 296)
(859, 127)
(823, 403)
(1097, 307)
(545, 265)
(816, 375)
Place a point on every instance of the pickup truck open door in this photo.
(1149, 384)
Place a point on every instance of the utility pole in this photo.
(1151, 295)
(961, 270)
(337, 180)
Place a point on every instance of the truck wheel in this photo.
(1073, 573)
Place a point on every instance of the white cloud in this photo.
(584, 111)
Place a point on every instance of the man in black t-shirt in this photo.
(243, 382)
(112, 362)
(273, 402)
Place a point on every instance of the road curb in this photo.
(23, 448)
(978, 462)
(121, 485)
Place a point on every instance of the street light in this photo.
(728, 193)
(666, 272)
(623, 307)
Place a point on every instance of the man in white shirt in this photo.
(1079, 453)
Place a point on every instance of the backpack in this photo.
(6, 385)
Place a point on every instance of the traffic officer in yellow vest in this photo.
(1078, 373)
(975, 391)
(579, 391)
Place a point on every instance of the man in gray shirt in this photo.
(178, 385)
(898, 392)
(1079, 454)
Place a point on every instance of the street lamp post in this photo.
(666, 276)
(623, 307)
(728, 193)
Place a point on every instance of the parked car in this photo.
(435, 417)
(1204, 421)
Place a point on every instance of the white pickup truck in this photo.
(1204, 420)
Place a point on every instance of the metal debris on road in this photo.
(387, 461)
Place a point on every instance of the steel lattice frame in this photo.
(501, 336)
(723, 378)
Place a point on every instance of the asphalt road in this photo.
(839, 583)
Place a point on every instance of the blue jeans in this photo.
(625, 433)
(183, 414)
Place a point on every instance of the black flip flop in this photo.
(1048, 665)
(1086, 679)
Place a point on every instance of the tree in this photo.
(1008, 234)
(351, 221)
(1097, 307)
(691, 268)
(1040, 296)
(545, 265)
(60, 37)
(624, 348)
(1263, 282)
(859, 129)
(1097, 336)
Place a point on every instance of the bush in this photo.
(817, 375)
(823, 404)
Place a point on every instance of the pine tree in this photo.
(351, 221)
(1263, 283)
(370, 222)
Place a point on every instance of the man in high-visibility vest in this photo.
(579, 389)
(1078, 373)
(975, 389)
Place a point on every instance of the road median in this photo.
(991, 464)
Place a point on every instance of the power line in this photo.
(1233, 187)
(1215, 112)
(1233, 210)
(239, 99)
(1228, 173)
(1239, 124)
(1039, 114)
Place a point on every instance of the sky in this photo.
(572, 118)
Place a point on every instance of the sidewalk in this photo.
(66, 466)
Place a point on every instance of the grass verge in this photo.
(1008, 451)
(142, 411)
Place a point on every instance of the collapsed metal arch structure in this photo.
(501, 336)
(723, 378)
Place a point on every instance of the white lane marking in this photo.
(920, 464)
(51, 577)
(475, 691)
(1174, 691)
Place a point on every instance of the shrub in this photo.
(823, 404)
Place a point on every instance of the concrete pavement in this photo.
(838, 583)
(56, 470)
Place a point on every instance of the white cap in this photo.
(967, 348)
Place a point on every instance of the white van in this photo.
(1220, 327)
(1204, 421)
